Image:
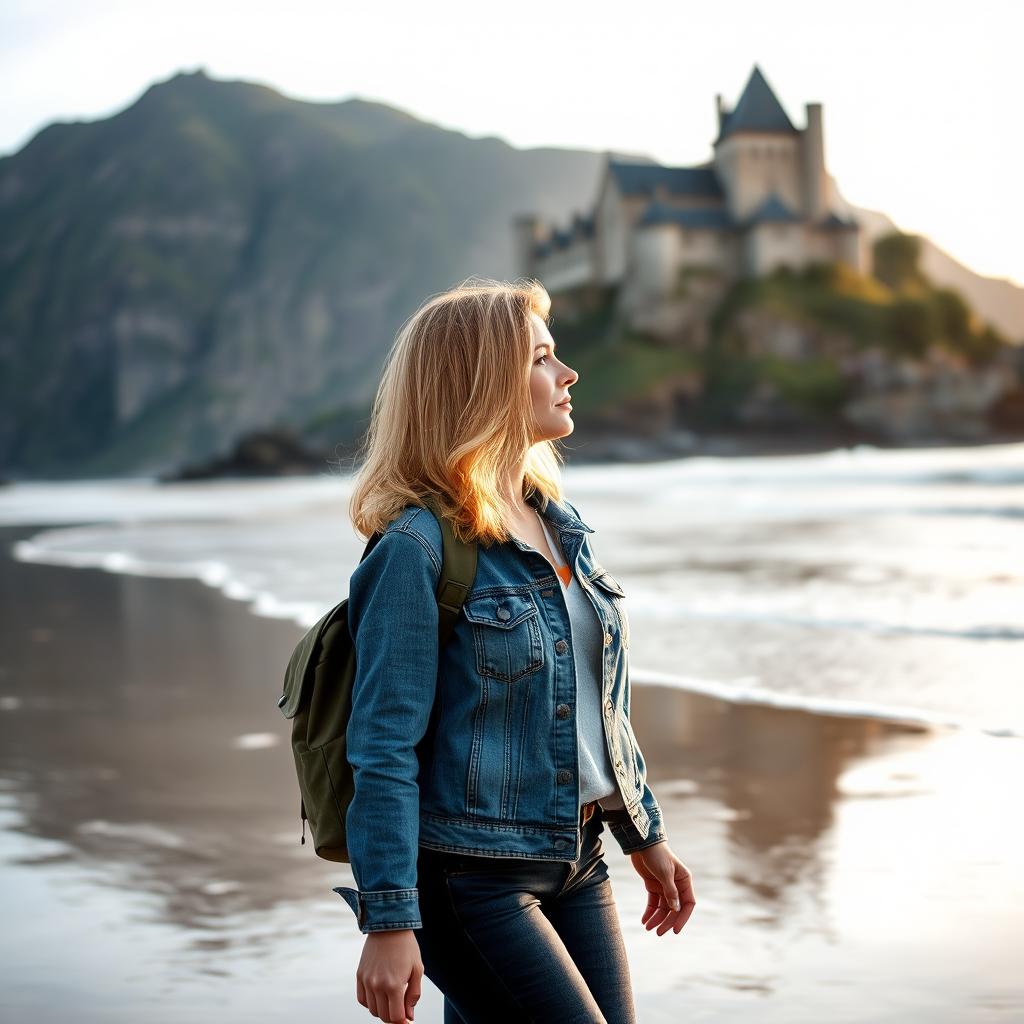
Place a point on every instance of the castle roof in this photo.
(703, 217)
(562, 238)
(583, 225)
(758, 110)
(643, 179)
(773, 209)
(833, 220)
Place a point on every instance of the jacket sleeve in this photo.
(626, 834)
(393, 619)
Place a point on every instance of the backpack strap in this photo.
(458, 570)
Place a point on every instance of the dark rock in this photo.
(1007, 413)
(260, 453)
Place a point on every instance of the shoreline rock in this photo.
(261, 453)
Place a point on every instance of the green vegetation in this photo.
(897, 311)
(814, 385)
(614, 365)
(629, 367)
(896, 263)
(901, 312)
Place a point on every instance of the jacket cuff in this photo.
(628, 836)
(384, 909)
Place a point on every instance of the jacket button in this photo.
(564, 775)
(504, 614)
(563, 711)
(607, 639)
(561, 646)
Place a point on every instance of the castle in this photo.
(762, 201)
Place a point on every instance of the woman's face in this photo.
(550, 381)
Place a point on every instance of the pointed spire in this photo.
(758, 109)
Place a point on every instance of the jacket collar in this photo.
(562, 517)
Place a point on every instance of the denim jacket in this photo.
(476, 751)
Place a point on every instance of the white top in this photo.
(597, 779)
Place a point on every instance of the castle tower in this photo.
(757, 152)
(812, 151)
(721, 111)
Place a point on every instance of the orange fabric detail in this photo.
(564, 572)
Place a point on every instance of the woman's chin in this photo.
(555, 431)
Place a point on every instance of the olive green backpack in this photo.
(318, 696)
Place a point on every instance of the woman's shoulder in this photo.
(419, 522)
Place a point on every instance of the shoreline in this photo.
(684, 443)
(597, 450)
(728, 693)
(150, 780)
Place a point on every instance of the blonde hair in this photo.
(453, 415)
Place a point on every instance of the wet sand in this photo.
(846, 869)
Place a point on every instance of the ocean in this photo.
(861, 581)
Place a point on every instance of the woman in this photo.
(485, 771)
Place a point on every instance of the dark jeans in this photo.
(517, 940)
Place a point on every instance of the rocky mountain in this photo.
(218, 258)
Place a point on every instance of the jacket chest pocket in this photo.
(506, 635)
(614, 595)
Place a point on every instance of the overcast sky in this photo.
(922, 100)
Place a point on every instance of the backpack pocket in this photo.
(327, 790)
(506, 635)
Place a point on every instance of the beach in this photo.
(847, 867)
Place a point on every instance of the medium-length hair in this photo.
(453, 415)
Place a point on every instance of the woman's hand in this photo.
(389, 975)
(669, 887)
